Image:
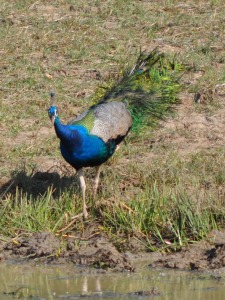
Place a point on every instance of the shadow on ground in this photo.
(37, 184)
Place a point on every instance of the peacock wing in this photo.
(107, 120)
(112, 120)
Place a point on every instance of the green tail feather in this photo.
(150, 89)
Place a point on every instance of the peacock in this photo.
(137, 99)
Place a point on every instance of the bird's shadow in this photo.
(37, 184)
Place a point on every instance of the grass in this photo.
(152, 206)
(72, 48)
(168, 207)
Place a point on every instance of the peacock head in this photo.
(52, 112)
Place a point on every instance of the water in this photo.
(68, 282)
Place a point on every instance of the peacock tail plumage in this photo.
(150, 89)
(137, 99)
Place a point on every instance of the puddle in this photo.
(68, 282)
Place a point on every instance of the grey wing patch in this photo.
(112, 120)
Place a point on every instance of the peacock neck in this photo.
(61, 130)
(69, 135)
(58, 125)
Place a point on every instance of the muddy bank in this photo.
(45, 247)
(205, 255)
(99, 252)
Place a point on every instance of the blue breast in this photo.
(82, 149)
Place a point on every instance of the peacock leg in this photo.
(96, 180)
(83, 188)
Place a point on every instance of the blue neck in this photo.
(61, 129)
(67, 134)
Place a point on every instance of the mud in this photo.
(99, 252)
(205, 255)
(47, 248)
